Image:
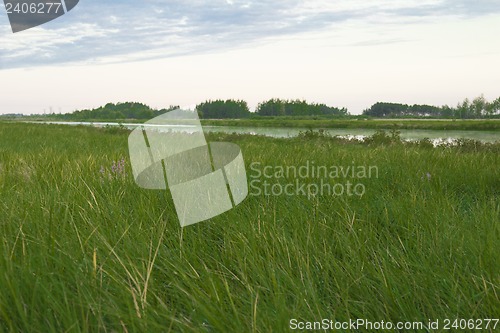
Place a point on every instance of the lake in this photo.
(281, 132)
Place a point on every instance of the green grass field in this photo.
(83, 249)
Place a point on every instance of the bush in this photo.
(311, 134)
(381, 137)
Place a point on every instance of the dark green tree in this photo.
(220, 109)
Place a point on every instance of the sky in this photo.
(182, 52)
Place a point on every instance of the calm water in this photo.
(486, 136)
(280, 132)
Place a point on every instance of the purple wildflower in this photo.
(116, 171)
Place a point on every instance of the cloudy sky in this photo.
(346, 53)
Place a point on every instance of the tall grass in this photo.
(83, 250)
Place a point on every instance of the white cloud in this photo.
(103, 32)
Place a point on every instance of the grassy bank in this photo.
(82, 248)
(489, 125)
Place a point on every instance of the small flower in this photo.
(116, 171)
(121, 167)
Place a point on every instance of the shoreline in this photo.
(375, 124)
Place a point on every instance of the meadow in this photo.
(83, 249)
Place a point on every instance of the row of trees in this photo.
(217, 109)
(127, 110)
(479, 107)
(398, 110)
(278, 107)
(220, 109)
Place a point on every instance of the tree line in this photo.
(278, 107)
(220, 109)
(479, 107)
(127, 110)
(211, 109)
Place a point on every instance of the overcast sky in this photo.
(342, 53)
